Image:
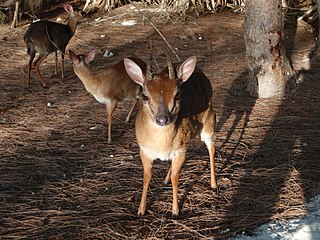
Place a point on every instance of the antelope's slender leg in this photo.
(62, 64)
(32, 55)
(207, 136)
(167, 179)
(175, 171)
(111, 105)
(136, 100)
(211, 149)
(56, 63)
(37, 63)
(147, 174)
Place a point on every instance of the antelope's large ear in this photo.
(68, 8)
(186, 68)
(90, 56)
(134, 71)
(74, 57)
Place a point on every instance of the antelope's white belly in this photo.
(101, 99)
(162, 155)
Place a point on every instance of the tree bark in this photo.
(318, 8)
(270, 71)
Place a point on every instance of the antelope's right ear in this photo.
(68, 8)
(90, 56)
(134, 71)
(74, 57)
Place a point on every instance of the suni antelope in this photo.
(46, 37)
(109, 85)
(176, 107)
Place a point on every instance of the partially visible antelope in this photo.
(109, 85)
(176, 107)
(45, 37)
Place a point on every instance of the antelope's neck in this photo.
(88, 79)
(72, 24)
(157, 141)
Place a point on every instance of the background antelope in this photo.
(46, 37)
(109, 85)
(176, 107)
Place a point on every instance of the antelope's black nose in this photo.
(162, 120)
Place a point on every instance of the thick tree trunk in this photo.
(318, 7)
(269, 69)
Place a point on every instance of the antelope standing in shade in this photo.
(176, 107)
(45, 37)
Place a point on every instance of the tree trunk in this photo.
(270, 71)
(318, 8)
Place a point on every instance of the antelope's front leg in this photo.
(147, 174)
(176, 165)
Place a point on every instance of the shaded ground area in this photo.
(60, 179)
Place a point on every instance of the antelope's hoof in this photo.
(175, 213)
(216, 189)
(141, 213)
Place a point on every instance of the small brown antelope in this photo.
(108, 85)
(46, 37)
(175, 109)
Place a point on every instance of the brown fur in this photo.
(166, 123)
(109, 85)
(45, 37)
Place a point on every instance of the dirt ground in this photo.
(60, 179)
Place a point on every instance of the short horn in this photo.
(149, 72)
(149, 69)
(171, 69)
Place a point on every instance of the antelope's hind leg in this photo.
(208, 136)
(37, 63)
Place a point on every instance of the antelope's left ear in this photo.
(186, 68)
(90, 56)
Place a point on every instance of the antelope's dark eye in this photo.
(145, 96)
(178, 96)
